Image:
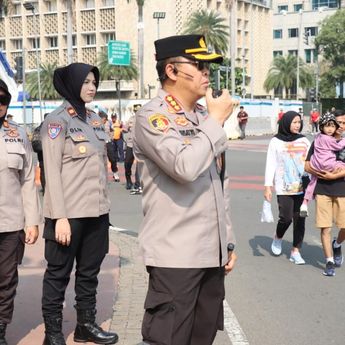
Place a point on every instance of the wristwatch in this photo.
(230, 247)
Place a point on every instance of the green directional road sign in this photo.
(119, 53)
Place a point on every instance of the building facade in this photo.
(43, 32)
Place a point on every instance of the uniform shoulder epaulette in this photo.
(173, 105)
(71, 112)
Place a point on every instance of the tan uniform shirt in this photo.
(19, 200)
(128, 131)
(75, 163)
(186, 221)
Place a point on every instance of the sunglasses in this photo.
(5, 99)
(200, 65)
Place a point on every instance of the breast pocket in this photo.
(15, 156)
(81, 147)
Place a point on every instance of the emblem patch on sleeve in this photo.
(54, 130)
(159, 122)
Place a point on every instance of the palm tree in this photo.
(48, 91)
(282, 74)
(210, 24)
(140, 4)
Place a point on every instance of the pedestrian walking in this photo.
(76, 205)
(111, 153)
(314, 119)
(19, 207)
(185, 237)
(118, 138)
(330, 203)
(284, 170)
(242, 117)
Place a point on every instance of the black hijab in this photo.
(4, 88)
(69, 80)
(284, 127)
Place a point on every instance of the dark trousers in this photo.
(112, 156)
(11, 255)
(183, 306)
(243, 129)
(119, 150)
(128, 168)
(289, 206)
(314, 127)
(89, 244)
(42, 176)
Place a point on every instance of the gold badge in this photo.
(202, 43)
(82, 149)
(181, 121)
(80, 137)
(159, 122)
(173, 105)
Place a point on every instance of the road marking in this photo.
(232, 327)
(115, 228)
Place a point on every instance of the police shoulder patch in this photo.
(54, 130)
(159, 122)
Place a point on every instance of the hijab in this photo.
(69, 80)
(284, 127)
(4, 88)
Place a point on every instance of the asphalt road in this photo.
(274, 301)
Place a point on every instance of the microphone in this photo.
(188, 75)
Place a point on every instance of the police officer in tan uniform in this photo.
(19, 206)
(185, 238)
(76, 205)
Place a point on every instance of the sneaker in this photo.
(276, 246)
(296, 258)
(329, 270)
(116, 177)
(338, 256)
(303, 211)
(136, 191)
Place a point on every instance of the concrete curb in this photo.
(128, 308)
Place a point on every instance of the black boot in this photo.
(3, 333)
(88, 330)
(53, 331)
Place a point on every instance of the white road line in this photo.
(232, 327)
(115, 228)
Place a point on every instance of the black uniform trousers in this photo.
(11, 254)
(112, 156)
(89, 245)
(183, 306)
(128, 168)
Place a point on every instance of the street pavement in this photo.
(269, 301)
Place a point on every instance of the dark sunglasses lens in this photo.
(4, 100)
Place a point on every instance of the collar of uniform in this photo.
(171, 102)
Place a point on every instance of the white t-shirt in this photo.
(285, 165)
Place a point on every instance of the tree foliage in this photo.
(283, 74)
(48, 91)
(210, 24)
(109, 72)
(330, 42)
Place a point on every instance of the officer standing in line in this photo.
(185, 238)
(76, 205)
(19, 207)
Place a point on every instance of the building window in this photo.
(52, 42)
(312, 31)
(283, 8)
(74, 40)
(90, 39)
(51, 6)
(310, 55)
(293, 32)
(35, 43)
(17, 9)
(292, 52)
(277, 53)
(109, 36)
(297, 7)
(2, 45)
(17, 44)
(108, 3)
(89, 4)
(277, 34)
(316, 4)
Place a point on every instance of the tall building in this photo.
(43, 32)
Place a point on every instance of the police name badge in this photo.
(159, 122)
(54, 130)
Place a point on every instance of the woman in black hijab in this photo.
(76, 205)
(284, 170)
(20, 211)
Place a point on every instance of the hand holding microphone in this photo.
(221, 107)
